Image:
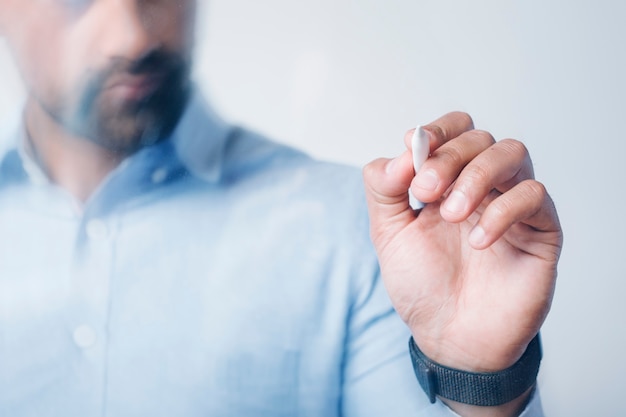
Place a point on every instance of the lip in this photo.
(134, 87)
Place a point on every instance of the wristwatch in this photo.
(483, 389)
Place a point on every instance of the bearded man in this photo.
(156, 261)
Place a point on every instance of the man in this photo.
(156, 261)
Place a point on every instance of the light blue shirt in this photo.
(213, 274)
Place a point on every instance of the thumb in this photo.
(387, 182)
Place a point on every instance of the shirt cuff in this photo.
(533, 408)
(439, 409)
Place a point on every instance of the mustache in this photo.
(153, 62)
(161, 63)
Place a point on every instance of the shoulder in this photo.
(290, 178)
(249, 155)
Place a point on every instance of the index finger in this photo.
(444, 129)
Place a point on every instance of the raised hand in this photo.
(473, 273)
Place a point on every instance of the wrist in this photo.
(485, 389)
(477, 356)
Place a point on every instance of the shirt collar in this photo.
(25, 152)
(200, 139)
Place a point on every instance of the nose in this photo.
(130, 31)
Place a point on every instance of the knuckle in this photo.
(464, 118)
(483, 136)
(449, 155)
(500, 207)
(536, 190)
(476, 174)
(515, 147)
(438, 132)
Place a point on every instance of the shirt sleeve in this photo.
(533, 408)
(378, 374)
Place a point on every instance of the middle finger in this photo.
(500, 167)
(446, 162)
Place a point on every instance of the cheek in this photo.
(172, 22)
(42, 55)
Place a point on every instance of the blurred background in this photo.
(344, 79)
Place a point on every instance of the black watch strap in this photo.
(483, 389)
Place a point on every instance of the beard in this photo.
(124, 125)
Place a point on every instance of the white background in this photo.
(344, 79)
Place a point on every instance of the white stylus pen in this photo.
(420, 148)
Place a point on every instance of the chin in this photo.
(128, 131)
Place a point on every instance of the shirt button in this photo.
(97, 229)
(159, 175)
(84, 336)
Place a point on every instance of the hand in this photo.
(473, 273)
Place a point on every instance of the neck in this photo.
(76, 164)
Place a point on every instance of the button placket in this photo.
(97, 229)
(90, 301)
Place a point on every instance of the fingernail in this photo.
(455, 203)
(477, 236)
(391, 165)
(427, 181)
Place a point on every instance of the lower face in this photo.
(77, 67)
(127, 105)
